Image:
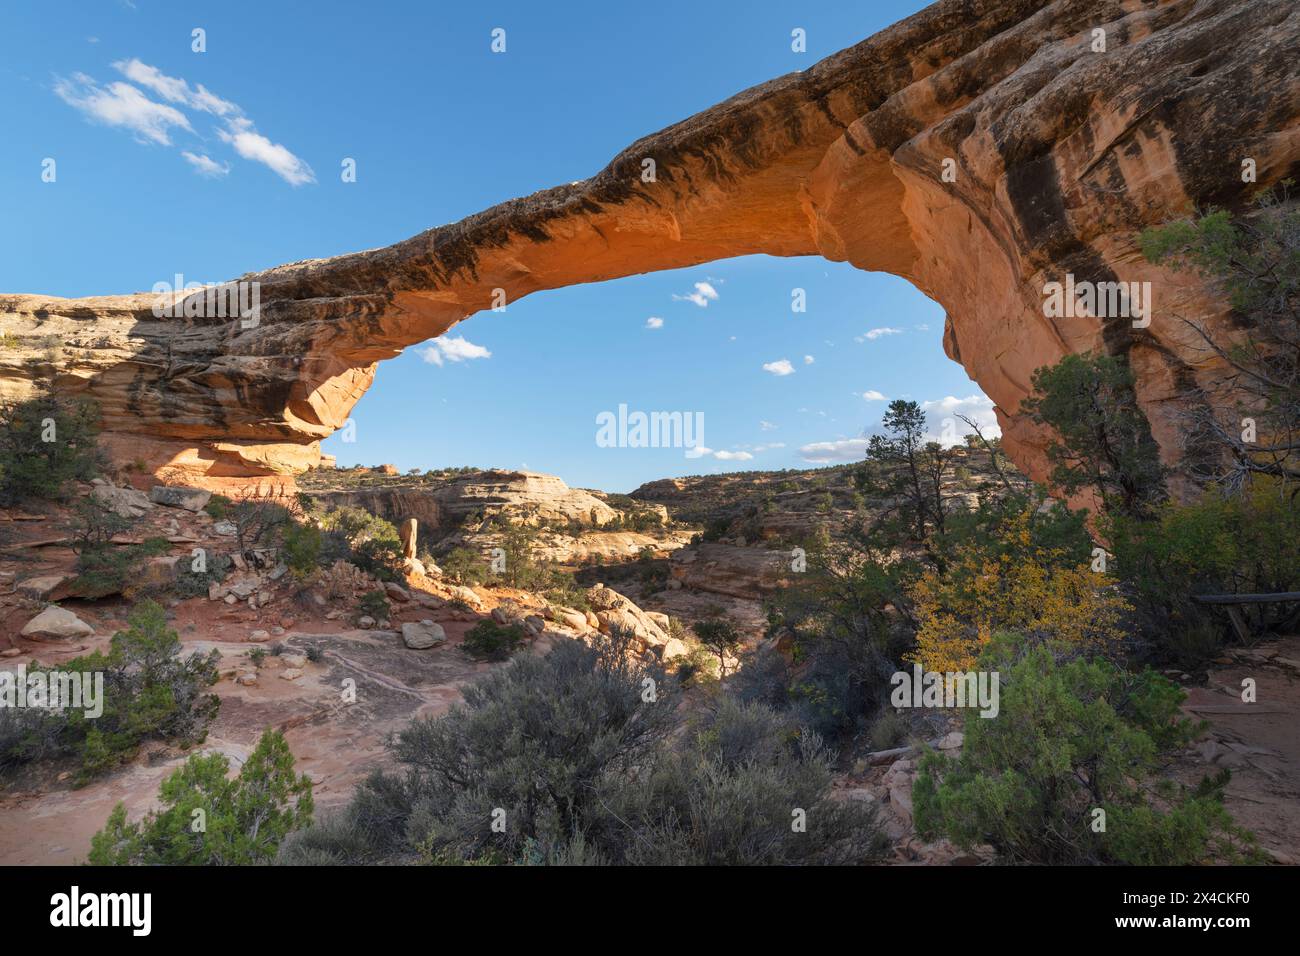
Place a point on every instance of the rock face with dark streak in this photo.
(1061, 155)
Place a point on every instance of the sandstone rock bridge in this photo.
(1060, 153)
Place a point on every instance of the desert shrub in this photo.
(1010, 584)
(747, 787)
(1074, 736)
(244, 818)
(300, 548)
(846, 641)
(889, 730)
(763, 678)
(218, 507)
(149, 693)
(532, 739)
(45, 443)
(363, 539)
(191, 583)
(104, 569)
(490, 641)
(258, 521)
(464, 566)
(586, 769)
(1221, 544)
(374, 604)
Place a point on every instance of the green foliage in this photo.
(1074, 737)
(149, 693)
(45, 443)
(191, 583)
(846, 640)
(1104, 442)
(489, 641)
(300, 548)
(1252, 260)
(366, 540)
(721, 637)
(906, 473)
(1221, 544)
(218, 507)
(210, 819)
(374, 604)
(104, 569)
(580, 765)
(464, 566)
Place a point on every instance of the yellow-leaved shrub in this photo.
(1009, 584)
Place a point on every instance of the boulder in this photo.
(42, 588)
(421, 636)
(179, 496)
(57, 623)
(124, 502)
(396, 592)
(291, 673)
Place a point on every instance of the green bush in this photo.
(490, 641)
(149, 693)
(300, 547)
(464, 566)
(209, 819)
(366, 540)
(1073, 738)
(190, 583)
(104, 569)
(45, 443)
(578, 757)
(374, 604)
(1221, 544)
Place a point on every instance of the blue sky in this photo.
(217, 163)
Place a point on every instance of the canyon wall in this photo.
(978, 149)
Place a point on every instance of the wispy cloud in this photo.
(824, 452)
(808, 360)
(871, 395)
(447, 348)
(779, 367)
(124, 106)
(704, 293)
(768, 426)
(733, 456)
(128, 106)
(654, 322)
(873, 334)
(254, 146)
(206, 165)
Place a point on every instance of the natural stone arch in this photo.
(1062, 155)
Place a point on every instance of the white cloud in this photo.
(808, 360)
(768, 426)
(206, 166)
(654, 322)
(125, 105)
(453, 349)
(733, 455)
(871, 395)
(943, 425)
(873, 334)
(254, 146)
(779, 367)
(121, 104)
(824, 452)
(775, 444)
(704, 292)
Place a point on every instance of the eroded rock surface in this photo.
(1060, 155)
